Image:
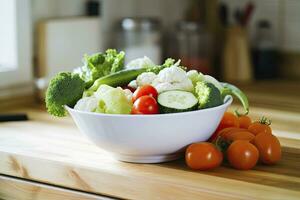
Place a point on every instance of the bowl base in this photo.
(147, 159)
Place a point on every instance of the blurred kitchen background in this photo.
(255, 44)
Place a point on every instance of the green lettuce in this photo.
(100, 64)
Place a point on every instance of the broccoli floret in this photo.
(208, 95)
(195, 76)
(64, 89)
(168, 63)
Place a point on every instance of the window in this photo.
(8, 36)
(15, 43)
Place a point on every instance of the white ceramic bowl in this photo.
(149, 138)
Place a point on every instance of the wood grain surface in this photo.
(53, 151)
(17, 189)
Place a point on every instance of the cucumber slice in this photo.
(177, 101)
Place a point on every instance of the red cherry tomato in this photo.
(203, 156)
(257, 127)
(269, 148)
(146, 90)
(263, 125)
(243, 155)
(145, 105)
(244, 121)
(238, 135)
(228, 120)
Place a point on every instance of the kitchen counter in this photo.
(47, 158)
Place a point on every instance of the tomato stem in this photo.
(222, 144)
(238, 114)
(265, 120)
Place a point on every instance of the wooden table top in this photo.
(52, 151)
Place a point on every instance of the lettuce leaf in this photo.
(100, 64)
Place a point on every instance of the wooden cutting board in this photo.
(52, 151)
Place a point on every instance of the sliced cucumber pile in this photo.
(177, 101)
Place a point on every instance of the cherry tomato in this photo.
(222, 132)
(144, 91)
(269, 148)
(228, 120)
(145, 105)
(228, 135)
(258, 127)
(203, 156)
(261, 126)
(229, 130)
(242, 155)
(244, 121)
(238, 135)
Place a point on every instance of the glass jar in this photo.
(140, 37)
(194, 46)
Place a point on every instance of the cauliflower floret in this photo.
(172, 74)
(87, 104)
(146, 78)
(128, 94)
(140, 63)
(172, 78)
(101, 90)
(133, 84)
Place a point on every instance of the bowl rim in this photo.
(227, 101)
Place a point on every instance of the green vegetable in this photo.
(113, 101)
(229, 89)
(64, 89)
(101, 64)
(125, 76)
(208, 95)
(116, 79)
(195, 76)
(214, 81)
(156, 69)
(176, 101)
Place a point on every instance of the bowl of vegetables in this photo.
(141, 112)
